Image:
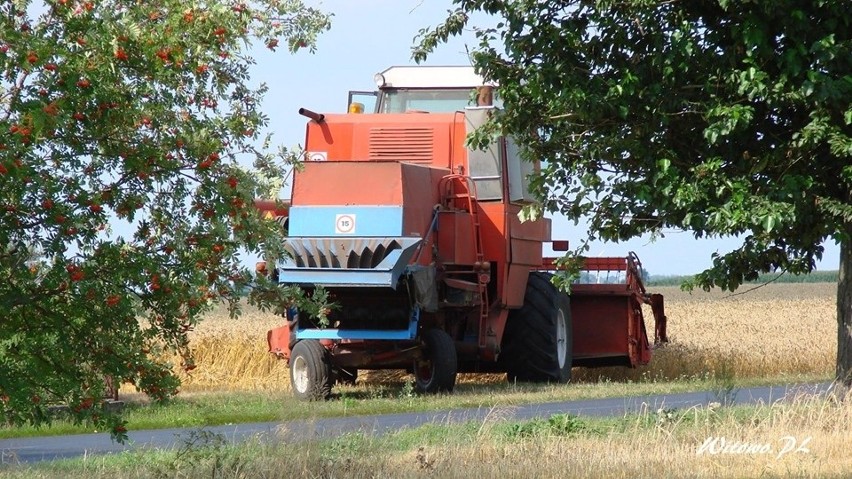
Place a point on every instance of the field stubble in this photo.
(774, 331)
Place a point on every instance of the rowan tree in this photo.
(722, 117)
(123, 206)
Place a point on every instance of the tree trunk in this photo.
(844, 312)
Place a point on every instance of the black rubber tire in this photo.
(310, 371)
(437, 371)
(530, 342)
(345, 375)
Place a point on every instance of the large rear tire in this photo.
(538, 341)
(436, 371)
(310, 371)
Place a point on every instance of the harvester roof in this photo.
(429, 77)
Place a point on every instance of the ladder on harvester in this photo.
(458, 192)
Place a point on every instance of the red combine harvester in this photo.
(418, 242)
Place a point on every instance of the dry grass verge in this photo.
(670, 447)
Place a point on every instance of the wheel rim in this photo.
(561, 338)
(423, 371)
(300, 374)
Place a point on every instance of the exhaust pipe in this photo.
(317, 117)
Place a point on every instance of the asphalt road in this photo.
(34, 449)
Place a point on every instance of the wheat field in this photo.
(775, 330)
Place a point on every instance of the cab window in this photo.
(430, 101)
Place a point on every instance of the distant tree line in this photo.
(814, 277)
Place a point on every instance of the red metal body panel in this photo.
(609, 325)
(420, 195)
(435, 139)
(348, 183)
(607, 328)
(455, 233)
(516, 285)
(279, 341)
(500, 221)
(493, 220)
(526, 239)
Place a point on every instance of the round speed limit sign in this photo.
(344, 224)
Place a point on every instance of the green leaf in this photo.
(530, 212)
(768, 223)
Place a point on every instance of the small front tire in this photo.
(436, 371)
(310, 371)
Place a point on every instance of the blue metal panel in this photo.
(323, 220)
(391, 335)
(337, 277)
(376, 334)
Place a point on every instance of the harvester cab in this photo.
(417, 239)
(434, 89)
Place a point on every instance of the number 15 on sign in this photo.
(344, 224)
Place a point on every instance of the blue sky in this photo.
(368, 36)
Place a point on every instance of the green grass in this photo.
(219, 408)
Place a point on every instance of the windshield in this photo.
(431, 101)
